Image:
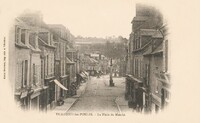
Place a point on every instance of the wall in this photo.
(35, 59)
(21, 55)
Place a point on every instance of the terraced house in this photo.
(26, 66)
(147, 59)
(38, 64)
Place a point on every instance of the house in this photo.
(20, 67)
(62, 41)
(146, 61)
(46, 45)
(28, 84)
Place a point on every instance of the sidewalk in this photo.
(122, 104)
(120, 101)
(69, 102)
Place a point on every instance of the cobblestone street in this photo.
(99, 96)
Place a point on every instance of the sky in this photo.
(88, 18)
(93, 18)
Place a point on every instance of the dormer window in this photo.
(23, 36)
(17, 34)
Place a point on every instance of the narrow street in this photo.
(99, 96)
(53, 70)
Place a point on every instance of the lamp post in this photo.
(111, 80)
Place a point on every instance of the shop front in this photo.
(163, 78)
(64, 82)
(59, 100)
(22, 98)
(134, 93)
(43, 99)
(50, 92)
(35, 99)
(128, 87)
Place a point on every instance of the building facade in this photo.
(38, 68)
(146, 61)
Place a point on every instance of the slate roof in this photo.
(151, 32)
(159, 49)
(140, 18)
(21, 24)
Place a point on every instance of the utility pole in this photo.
(111, 80)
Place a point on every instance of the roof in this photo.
(140, 18)
(24, 25)
(159, 49)
(94, 55)
(21, 24)
(148, 51)
(56, 26)
(89, 60)
(79, 42)
(93, 60)
(147, 44)
(39, 29)
(71, 50)
(40, 41)
(151, 32)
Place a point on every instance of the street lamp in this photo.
(111, 79)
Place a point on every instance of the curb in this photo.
(72, 105)
(118, 107)
(76, 99)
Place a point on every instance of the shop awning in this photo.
(133, 78)
(86, 73)
(82, 75)
(60, 85)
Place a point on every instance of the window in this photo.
(51, 63)
(47, 65)
(147, 74)
(22, 80)
(136, 44)
(17, 33)
(139, 66)
(26, 73)
(34, 74)
(42, 73)
(136, 67)
(140, 43)
(32, 40)
(51, 39)
(23, 31)
(141, 70)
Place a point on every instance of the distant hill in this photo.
(94, 40)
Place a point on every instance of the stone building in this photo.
(26, 68)
(142, 87)
(46, 45)
(63, 40)
(38, 66)
(20, 63)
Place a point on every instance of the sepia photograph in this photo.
(95, 58)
